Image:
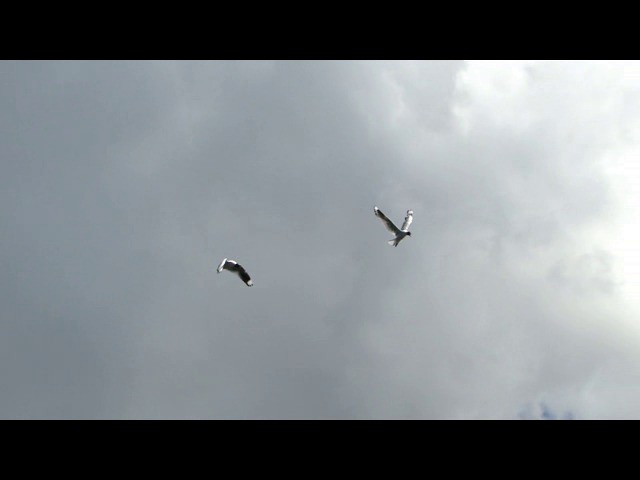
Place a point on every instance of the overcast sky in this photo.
(124, 184)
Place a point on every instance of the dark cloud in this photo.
(125, 183)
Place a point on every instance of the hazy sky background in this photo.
(125, 183)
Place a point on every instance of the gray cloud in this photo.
(125, 183)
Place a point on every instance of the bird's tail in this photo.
(393, 241)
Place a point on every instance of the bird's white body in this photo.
(399, 236)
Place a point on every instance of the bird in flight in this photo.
(236, 268)
(400, 233)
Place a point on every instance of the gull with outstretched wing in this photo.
(399, 233)
(236, 268)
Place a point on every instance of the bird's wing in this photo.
(242, 273)
(387, 223)
(407, 220)
(238, 269)
(221, 266)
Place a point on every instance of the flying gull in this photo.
(399, 233)
(236, 268)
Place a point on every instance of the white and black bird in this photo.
(400, 233)
(236, 268)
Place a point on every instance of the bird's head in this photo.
(409, 233)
